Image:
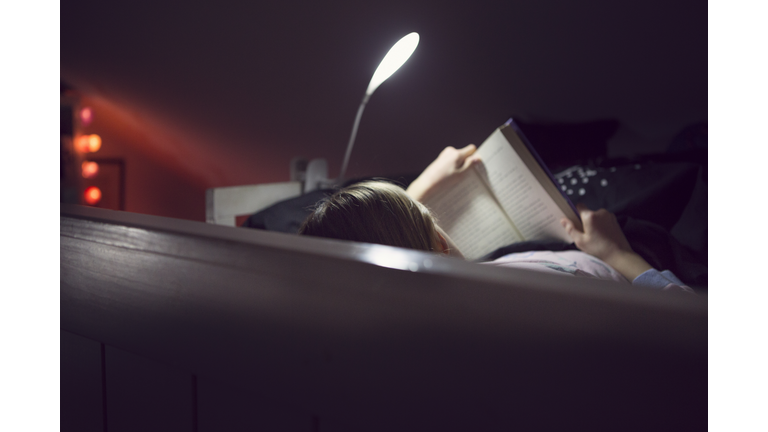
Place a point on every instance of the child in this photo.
(382, 213)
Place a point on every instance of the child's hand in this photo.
(450, 162)
(602, 237)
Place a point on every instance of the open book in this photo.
(510, 197)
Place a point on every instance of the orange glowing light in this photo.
(90, 169)
(94, 143)
(81, 143)
(86, 115)
(88, 143)
(92, 195)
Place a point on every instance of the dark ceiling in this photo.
(273, 80)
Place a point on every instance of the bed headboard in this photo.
(378, 338)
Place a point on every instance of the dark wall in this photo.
(233, 91)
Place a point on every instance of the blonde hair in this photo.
(374, 212)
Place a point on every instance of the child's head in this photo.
(374, 212)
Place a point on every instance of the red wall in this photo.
(153, 183)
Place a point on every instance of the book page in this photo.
(470, 216)
(533, 212)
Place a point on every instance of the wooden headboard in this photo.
(247, 328)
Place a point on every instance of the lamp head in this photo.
(395, 58)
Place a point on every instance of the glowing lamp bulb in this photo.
(395, 58)
(397, 55)
(89, 143)
(92, 195)
(94, 143)
(90, 169)
(86, 115)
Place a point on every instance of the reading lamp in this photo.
(317, 169)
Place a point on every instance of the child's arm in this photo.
(450, 162)
(602, 237)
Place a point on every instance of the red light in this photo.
(86, 115)
(81, 143)
(88, 143)
(92, 195)
(90, 169)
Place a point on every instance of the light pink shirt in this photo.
(580, 264)
(575, 263)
